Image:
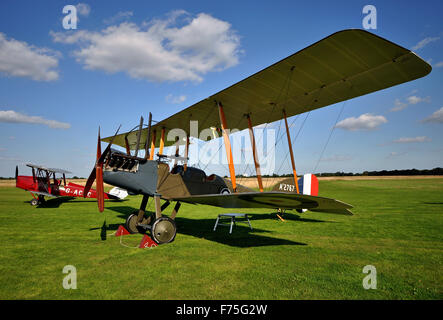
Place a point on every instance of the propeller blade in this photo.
(99, 162)
(97, 172)
(99, 148)
(90, 181)
(99, 188)
(108, 148)
(93, 173)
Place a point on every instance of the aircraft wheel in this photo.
(34, 202)
(163, 230)
(131, 224)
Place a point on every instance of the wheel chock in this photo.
(121, 231)
(147, 242)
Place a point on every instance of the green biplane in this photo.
(342, 66)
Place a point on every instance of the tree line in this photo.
(404, 172)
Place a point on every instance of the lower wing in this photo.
(272, 200)
(43, 194)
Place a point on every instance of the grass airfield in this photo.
(397, 227)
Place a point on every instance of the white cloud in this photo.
(120, 16)
(399, 105)
(413, 140)
(160, 50)
(83, 9)
(19, 59)
(175, 99)
(437, 116)
(366, 121)
(11, 116)
(424, 42)
(439, 64)
(415, 99)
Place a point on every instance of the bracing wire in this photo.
(293, 143)
(294, 140)
(329, 137)
(286, 86)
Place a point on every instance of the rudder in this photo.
(308, 184)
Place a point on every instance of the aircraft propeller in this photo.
(97, 172)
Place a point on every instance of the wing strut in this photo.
(186, 152)
(227, 146)
(162, 141)
(290, 151)
(151, 153)
(177, 154)
(254, 153)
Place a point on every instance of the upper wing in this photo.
(344, 65)
(271, 200)
(47, 169)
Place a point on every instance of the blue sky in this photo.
(57, 86)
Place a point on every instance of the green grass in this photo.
(397, 227)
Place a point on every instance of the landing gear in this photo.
(132, 224)
(280, 213)
(163, 230)
(38, 201)
(41, 199)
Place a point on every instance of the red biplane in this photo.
(43, 182)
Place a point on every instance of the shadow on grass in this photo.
(285, 216)
(242, 236)
(124, 210)
(441, 203)
(107, 227)
(57, 202)
(54, 202)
